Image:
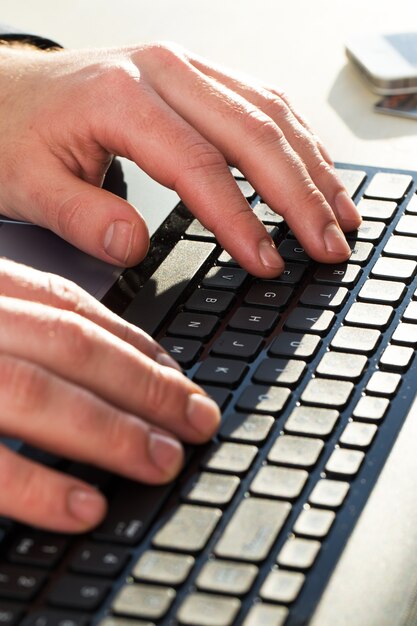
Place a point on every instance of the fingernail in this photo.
(86, 506)
(347, 211)
(118, 240)
(269, 255)
(335, 242)
(164, 359)
(203, 414)
(165, 452)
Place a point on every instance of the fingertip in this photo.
(87, 507)
(348, 215)
(126, 242)
(269, 257)
(335, 242)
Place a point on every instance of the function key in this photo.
(351, 179)
(379, 210)
(224, 278)
(255, 320)
(345, 274)
(388, 186)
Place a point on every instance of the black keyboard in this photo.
(314, 373)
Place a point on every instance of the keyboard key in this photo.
(380, 210)
(196, 230)
(264, 213)
(246, 188)
(388, 185)
(255, 320)
(291, 250)
(314, 421)
(20, 583)
(282, 586)
(342, 365)
(245, 428)
(291, 274)
(371, 408)
(163, 567)
(405, 334)
(412, 205)
(298, 553)
(396, 358)
(133, 508)
(324, 296)
(37, 548)
(296, 451)
(368, 231)
(357, 340)
(226, 259)
(401, 247)
(369, 315)
(383, 384)
(252, 529)
(314, 523)
(296, 345)
(146, 601)
(99, 560)
(268, 293)
(50, 617)
(394, 269)
(321, 393)
(358, 435)
(220, 372)
(407, 225)
(210, 488)
(410, 314)
(382, 291)
(207, 609)
(310, 320)
(280, 372)
(188, 528)
(344, 274)
(238, 345)
(361, 251)
(351, 179)
(10, 614)
(225, 577)
(159, 295)
(329, 493)
(221, 396)
(263, 399)
(279, 482)
(184, 351)
(233, 458)
(224, 278)
(210, 301)
(344, 462)
(197, 325)
(83, 594)
(266, 615)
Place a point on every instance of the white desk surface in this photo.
(296, 45)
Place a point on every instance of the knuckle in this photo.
(311, 196)
(202, 159)
(155, 390)
(74, 334)
(167, 53)
(261, 129)
(275, 107)
(63, 292)
(23, 386)
(320, 169)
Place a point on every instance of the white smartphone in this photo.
(387, 62)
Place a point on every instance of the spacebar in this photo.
(166, 285)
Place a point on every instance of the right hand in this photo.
(78, 381)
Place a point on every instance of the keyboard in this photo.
(314, 373)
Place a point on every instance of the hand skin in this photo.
(67, 365)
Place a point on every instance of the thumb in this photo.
(92, 219)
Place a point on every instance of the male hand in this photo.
(63, 115)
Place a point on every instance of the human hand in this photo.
(78, 381)
(64, 115)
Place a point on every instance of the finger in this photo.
(88, 429)
(300, 138)
(253, 142)
(25, 283)
(36, 495)
(93, 219)
(176, 155)
(77, 350)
